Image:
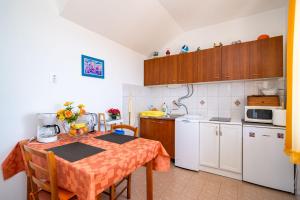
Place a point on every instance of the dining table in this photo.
(89, 175)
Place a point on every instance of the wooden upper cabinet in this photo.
(151, 72)
(163, 70)
(186, 67)
(235, 61)
(248, 60)
(266, 58)
(172, 69)
(208, 65)
(168, 70)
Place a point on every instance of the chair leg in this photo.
(99, 196)
(129, 186)
(112, 192)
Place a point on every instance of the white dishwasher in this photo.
(264, 160)
(187, 142)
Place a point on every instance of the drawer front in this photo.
(263, 101)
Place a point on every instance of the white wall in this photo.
(273, 22)
(36, 41)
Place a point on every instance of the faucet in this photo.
(188, 95)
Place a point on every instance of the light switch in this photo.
(53, 78)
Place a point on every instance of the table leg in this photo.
(149, 178)
(28, 188)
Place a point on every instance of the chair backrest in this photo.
(101, 116)
(38, 173)
(124, 126)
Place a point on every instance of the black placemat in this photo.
(75, 151)
(116, 138)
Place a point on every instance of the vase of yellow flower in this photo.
(69, 116)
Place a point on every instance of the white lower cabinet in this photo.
(231, 147)
(209, 144)
(221, 149)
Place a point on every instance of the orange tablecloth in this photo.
(92, 175)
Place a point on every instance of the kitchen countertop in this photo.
(232, 122)
(263, 125)
(202, 119)
(170, 117)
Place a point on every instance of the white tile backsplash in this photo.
(238, 88)
(201, 90)
(224, 90)
(212, 90)
(218, 98)
(212, 103)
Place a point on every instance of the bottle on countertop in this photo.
(164, 108)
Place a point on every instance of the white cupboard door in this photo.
(231, 147)
(209, 144)
(187, 145)
(264, 160)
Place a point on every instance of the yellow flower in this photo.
(68, 113)
(60, 111)
(61, 117)
(68, 103)
(81, 106)
(81, 112)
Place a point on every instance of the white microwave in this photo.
(260, 114)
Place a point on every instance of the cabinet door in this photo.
(163, 70)
(235, 61)
(209, 65)
(146, 128)
(186, 67)
(168, 70)
(231, 147)
(266, 58)
(209, 144)
(160, 130)
(165, 134)
(172, 69)
(151, 72)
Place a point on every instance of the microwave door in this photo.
(259, 115)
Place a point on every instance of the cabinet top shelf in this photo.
(158, 57)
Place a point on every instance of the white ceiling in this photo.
(146, 25)
(192, 14)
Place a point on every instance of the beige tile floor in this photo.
(180, 184)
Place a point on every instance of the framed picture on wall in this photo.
(92, 67)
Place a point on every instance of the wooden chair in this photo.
(46, 188)
(102, 120)
(112, 190)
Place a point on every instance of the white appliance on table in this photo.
(264, 160)
(47, 127)
(187, 142)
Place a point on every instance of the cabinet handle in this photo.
(266, 135)
(158, 122)
(216, 131)
(220, 133)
